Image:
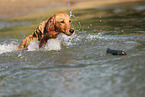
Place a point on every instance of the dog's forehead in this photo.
(62, 16)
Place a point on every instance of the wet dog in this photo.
(56, 24)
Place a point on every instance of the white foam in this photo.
(92, 37)
(52, 44)
(7, 48)
(65, 40)
(34, 45)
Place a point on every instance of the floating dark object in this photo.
(115, 52)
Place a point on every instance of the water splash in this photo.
(55, 44)
(62, 40)
(100, 19)
(52, 44)
(78, 23)
(7, 48)
(69, 3)
(71, 15)
(34, 45)
(96, 36)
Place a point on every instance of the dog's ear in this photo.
(50, 25)
(39, 31)
(42, 26)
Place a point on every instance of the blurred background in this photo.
(18, 7)
(10, 8)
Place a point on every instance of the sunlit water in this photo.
(75, 66)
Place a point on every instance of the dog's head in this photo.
(61, 23)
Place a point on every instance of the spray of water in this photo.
(7, 48)
(73, 16)
(52, 44)
(56, 44)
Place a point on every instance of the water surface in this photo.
(78, 66)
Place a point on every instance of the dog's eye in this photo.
(70, 21)
(62, 21)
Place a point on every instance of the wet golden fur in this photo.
(58, 23)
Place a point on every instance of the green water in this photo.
(80, 67)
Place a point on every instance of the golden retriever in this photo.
(58, 23)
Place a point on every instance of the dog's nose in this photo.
(71, 30)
